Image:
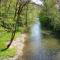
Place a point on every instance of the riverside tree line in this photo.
(18, 15)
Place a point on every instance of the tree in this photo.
(49, 15)
(17, 15)
(18, 11)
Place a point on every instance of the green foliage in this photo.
(50, 16)
(45, 20)
(10, 20)
(28, 16)
(7, 14)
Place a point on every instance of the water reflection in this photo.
(35, 36)
(37, 48)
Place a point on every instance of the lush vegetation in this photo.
(50, 16)
(17, 16)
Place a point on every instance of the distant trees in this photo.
(50, 16)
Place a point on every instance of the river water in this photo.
(40, 46)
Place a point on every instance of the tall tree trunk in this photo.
(17, 13)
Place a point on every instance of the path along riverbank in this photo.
(18, 43)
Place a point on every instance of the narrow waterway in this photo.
(39, 47)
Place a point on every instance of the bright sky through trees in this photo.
(38, 2)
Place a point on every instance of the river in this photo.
(40, 46)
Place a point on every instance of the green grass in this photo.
(4, 38)
(17, 34)
(8, 53)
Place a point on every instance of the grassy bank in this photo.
(4, 39)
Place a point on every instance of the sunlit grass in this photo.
(4, 39)
(8, 53)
